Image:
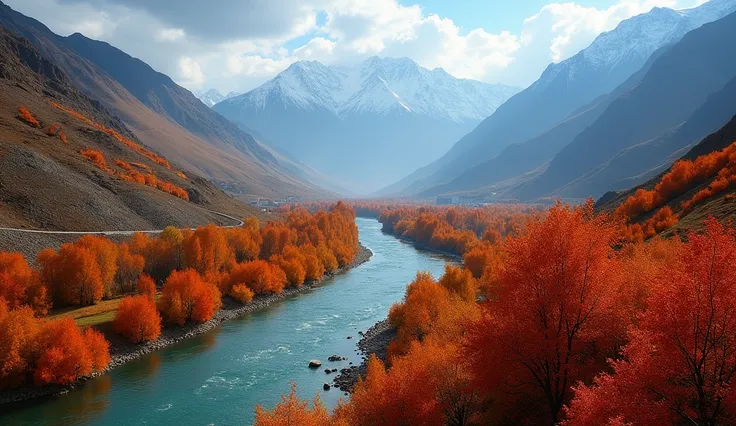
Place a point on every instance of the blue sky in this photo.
(492, 15)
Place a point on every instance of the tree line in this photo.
(574, 325)
(173, 278)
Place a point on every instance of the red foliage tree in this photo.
(679, 364)
(66, 353)
(137, 319)
(553, 320)
(146, 287)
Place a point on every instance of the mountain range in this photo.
(516, 143)
(365, 125)
(164, 115)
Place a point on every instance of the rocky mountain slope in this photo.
(645, 128)
(719, 205)
(367, 124)
(162, 114)
(67, 163)
(563, 90)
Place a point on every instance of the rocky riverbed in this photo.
(122, 352)
(375, 341)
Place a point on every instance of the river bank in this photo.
(122, 352)
(375, 341)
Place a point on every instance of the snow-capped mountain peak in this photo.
(378, 86)
(213, 96)
(634, 40)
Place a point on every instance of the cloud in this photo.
(238, 44)
(190, 73)
(170, 34)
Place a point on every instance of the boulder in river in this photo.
(315, 363)
(328, 371)
(326, 386)
(334, 358)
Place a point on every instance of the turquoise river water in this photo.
(219, 377)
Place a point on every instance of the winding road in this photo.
(150, 231)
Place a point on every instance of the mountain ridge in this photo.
(565, 87)
(365, 125)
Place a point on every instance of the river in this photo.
(219, 377)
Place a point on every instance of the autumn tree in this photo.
(552, 322)
(26, 116)
(73, 275)
(207, 251)
(245, 241)
(146, 287)
(275, 236)
(292, 411)
(259, 276)
(429, 386)
(106, 253)
(20, 285)
(292, 261)
(414, 317)
(18, 345)
(137, 319)
(241, 293)
(185, 296)
(679, 364)
(130, 267)
(460, 282)
(66, 353)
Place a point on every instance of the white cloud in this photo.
(190, 73)
(238, 44)
(170, 34)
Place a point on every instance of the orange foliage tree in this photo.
(185, 296)
(137, 319)
(96, 157)
(429, 386)
(207, 251)
(259, 276)
(106, 253)
(72, 275)
(20, 285)
(129, 268)
(292, 411)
